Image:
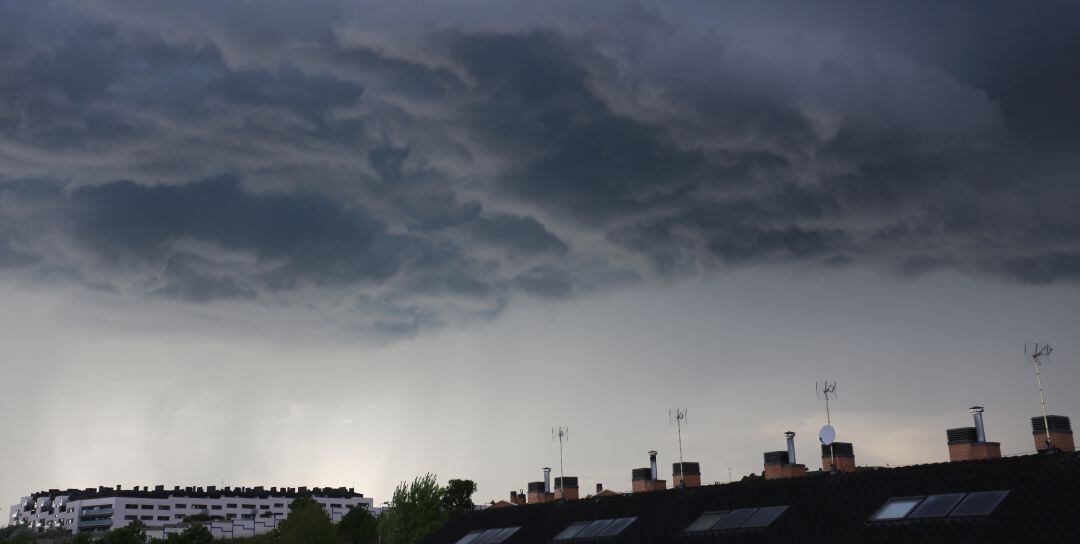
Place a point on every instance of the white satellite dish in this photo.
(827, 435)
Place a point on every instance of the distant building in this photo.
(230, 512)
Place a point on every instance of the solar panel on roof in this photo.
(763, 517)
(734, 519)
(594, 528)
(896, 508)
(503, 535)
(980, 503)
(705, 521)
(616, 526)
(572, 530)
(469, 538)
(936, 506)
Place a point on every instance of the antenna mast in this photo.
(679, 417)
(562, 434)
(1040, 353)
(827, 390)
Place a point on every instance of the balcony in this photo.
(97, 512)
(95, 523)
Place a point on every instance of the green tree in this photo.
(308, 523)
(359, 527)
(416, 510)
(15, 534)
(457, 497)
(82, 538)
(133, 533)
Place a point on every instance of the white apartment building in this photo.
(227, 512)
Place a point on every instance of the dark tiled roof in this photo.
(1043, 505)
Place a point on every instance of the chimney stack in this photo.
(599, 487)
(844, 453)
(778, 464)
(644, 479)
(969, 443)
(686, 474)
(1060, 436)
(566, 488)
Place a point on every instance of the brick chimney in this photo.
(779, 464)
(845, 457)
(969, 443)
(644, 479)
(566, 488)
(516, 498)
(599, 487)
(1060, 435)
(686, 474)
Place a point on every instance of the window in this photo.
(180, 506)
(131, 506)
(979, 504)
(488, 536)
(230, 516)
(147, 518)
(179, 516)
(953, 505)
(147, 507)
(249, 506)
(896, 509)
(233, 505)
(335, 506)
(936, 506)
(279, 505)
(600, 528)
(763, 517)
(199, 506)
(572, 530)
(616, 526)
(215, 507)
(264, 506)
(740, 518)
(163, 518)
(164, 507)
(130, 518)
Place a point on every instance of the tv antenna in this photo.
(1040, 355)
(677, 416)
(827, 435)
(562, 434)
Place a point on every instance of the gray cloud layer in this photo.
(422, 162)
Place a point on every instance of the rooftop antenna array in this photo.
(562, 434)
(677, 417)
(1040, 355)
(827, 390)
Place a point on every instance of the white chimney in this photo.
(980, 431)
(652, 463)
(790, 447)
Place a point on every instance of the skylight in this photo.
(896, 509)
(741, 518)
(488, 536)
(979, 503)
(601, 528)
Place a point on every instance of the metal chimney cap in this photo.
(789, 434)
(547, 469)
(976, 409)
(652, 452)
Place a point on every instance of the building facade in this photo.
(227, 512)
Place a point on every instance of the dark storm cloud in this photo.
(440, 160)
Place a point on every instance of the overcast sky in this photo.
(347, 243)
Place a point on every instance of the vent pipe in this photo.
(980, 431)
(547, 479)
(652, 464)
(790, 447)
